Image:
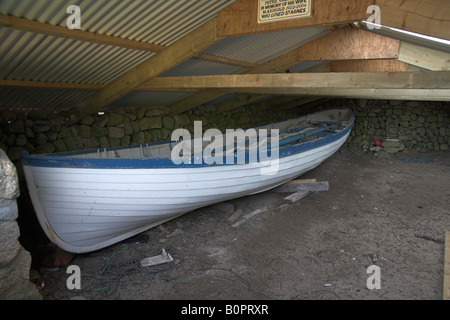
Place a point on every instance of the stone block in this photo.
(102, 120)
(98, 132)
(115, 119)
(168, 123)
(8, 210)
(391, 149)
(45, 148)
(9, 182)
(84, 131)
(116, 133)
(42, 126)
(391, 144)
(60, 145)
(150, 123)
(17, 126)
(138, 138)
(9, 243)
(89, 120)
(14, 279)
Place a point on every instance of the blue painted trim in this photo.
(64, 160)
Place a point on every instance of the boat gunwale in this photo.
(64, 159)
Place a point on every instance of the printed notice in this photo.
(278, 10)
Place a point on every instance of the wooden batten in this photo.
(74, 34)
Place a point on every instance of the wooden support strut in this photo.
(446, 287)
(182, 49)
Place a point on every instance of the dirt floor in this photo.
(382, 211)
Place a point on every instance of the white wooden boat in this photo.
(88, 200)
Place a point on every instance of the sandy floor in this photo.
(380, 211)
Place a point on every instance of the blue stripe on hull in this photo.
(64, 160)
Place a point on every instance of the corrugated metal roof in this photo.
(258, 48)
(197, 67)
(35, 57)
(31, 98)
(153, 21)
(150, 99)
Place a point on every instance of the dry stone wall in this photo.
(401, 125)
(42, 132)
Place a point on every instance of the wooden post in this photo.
(446, 288)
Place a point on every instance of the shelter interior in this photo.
(82, 74)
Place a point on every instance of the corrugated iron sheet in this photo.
(154, 21)
(48, 99)
(258, 48)
(37, 57)
(197, 67)
(150, 99)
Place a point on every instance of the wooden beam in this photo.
(428, 17)
(210, 57)
(286, 81)
(62, 32)
(424, 57)
(429, 86)
(343, 44)
(50, 85)
(182, 49)
(74, 34)
(366, 93)
(281, 62)
(241, 17)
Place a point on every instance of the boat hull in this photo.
(86, 209)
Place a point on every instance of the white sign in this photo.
(279, 10)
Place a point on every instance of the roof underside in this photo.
(36, 57)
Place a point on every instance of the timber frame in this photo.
(358, 63)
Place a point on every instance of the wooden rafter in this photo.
(340, 44)
(62, 32)
(85, 36)
(181, 50)
(279, 63)
(425, 58)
